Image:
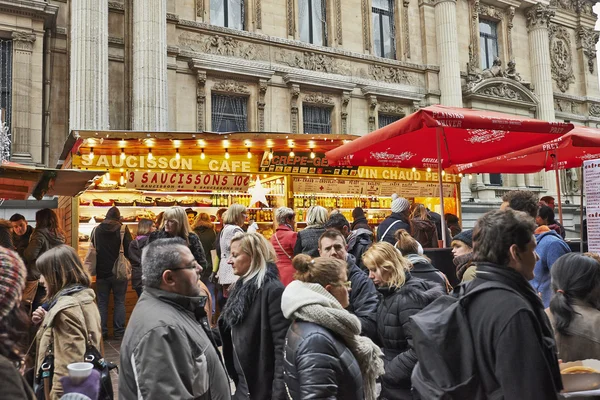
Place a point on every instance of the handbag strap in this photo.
(388, 229)
(281, 247)
(122, 233)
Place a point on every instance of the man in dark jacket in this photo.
(363, 296)
(106, 238)
(168, 351)
(397, 220)
(21, 233)
(513, 340)
(358, 240)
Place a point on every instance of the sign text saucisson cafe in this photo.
(143, 180)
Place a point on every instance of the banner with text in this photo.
(302, 163)
(186, 181)
(371, 188)
(591, 182)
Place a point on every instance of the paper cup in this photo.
(79, 371)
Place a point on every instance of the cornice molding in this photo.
(227, 65)
(33, 9)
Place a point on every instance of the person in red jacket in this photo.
(284, 241)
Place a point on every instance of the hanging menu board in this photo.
(591, 181)
(370, 188)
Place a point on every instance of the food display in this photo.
(581, 376)
(579, 369)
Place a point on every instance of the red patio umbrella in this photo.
(461, 136)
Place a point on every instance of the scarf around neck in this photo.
(310, 302)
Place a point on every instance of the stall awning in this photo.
(19, 182)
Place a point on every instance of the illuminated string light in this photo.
(227, 154)
(292, 154)
(249, 154)
(202, 155)
(177, 156)
(270, 154)
(312, 153)
(91, 153)
(150, 156)
(123, 153)
(428, 169)
(414, 169)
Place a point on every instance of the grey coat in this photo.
(167, 352)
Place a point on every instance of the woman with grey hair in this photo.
(284, 241)
(308, 239)
(252, 324)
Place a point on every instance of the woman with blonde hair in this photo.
(233, 220)
(325, 356)
(402, 296)
(175, 224)
(308, 238)
(72, 320)
(252, 324)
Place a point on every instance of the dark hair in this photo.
(496, 231)
(337, 221)
(17, 217)
(574, 277)
(545, 199)
(324, 271)
(113, 213)
(522, 200)
(546, 213)
(46, 218)
(12, 327)
(406, 243)
(6, 234)
(331, 234)
(451, 218)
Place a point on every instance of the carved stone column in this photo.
(21, 82)
(372, 113)
(474, 59)
(406, 29)
(262, 90)
(88, 92)
(345, 101)
(150, 102)
(447, 49)
(295, 121)
(521, 181)
(201, 101)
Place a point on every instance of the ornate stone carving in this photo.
(372, 100)
(388, 107)
(338, 21)
(262, 90)
(294, 119)
(366, 31)
(473, 64)
(490, 11)
(291, 27)
(201, 100)
(538, 16)
(258, 14)
(496, 72)
(416, 106)
(594, 110)
(391, 75)
(200, 9)
(312, 62)
(587, 39)
(231, 86)
(318, 98)
(569, 5)
(406, 29)
(560, 57)
(585, 7)
(222, 46)
(345, 101)
(502, 91)
(567, 106)
(510, 15)
(23, 41)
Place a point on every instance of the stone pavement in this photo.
(112, 354)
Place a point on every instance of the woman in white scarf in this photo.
(325, 356)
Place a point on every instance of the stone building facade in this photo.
(298, 66)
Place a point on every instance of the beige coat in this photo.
(66, 323)
(583, 341)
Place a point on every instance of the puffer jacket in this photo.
(318, 365)
(41, 240)
(283, 242)
(395, 335)
(194, 245)
(423, 269)
(399, 221)
(308, 241)
(363, 298)
(106, 237)
(424, 232)
(359, 242)
(70, 318)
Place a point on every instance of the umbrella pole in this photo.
(438, 140)
(560, 214)
(581, 210)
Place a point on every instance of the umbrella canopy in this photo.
(568, 151)
(466, 136)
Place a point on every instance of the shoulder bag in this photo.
(281, 247)
(122, 267)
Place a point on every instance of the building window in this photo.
(386, 119)
(488, 42)
(227, 13)
(383, 28)
(316, 119)
(496, 179)
(229, 113)
(312, 21)
(6, 81)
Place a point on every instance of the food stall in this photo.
(147, 172)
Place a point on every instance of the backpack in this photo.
(359, 247)
(447, 368)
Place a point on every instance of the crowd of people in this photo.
(336, 310)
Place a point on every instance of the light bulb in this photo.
(443, 173)
(249, 155)
(122, 180)
(150, 153)
(470, 177)
(312, 153)
(460, 175)
(91, 153)
(227, 154)
(270, 154)
(414, 169)
(202, 155)
(428, 169)
(177, 156)
(292, 154)
(122, 153)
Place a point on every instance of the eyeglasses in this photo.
(347, 284)
(192, 265)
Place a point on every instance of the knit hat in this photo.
(357, 213)
(12, 280)
(399, 204)
(466, 237)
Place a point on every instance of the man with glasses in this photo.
(363, 296)
(168, 351)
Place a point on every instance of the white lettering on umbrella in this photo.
(384, 156)
(483, 136)
(589, 156)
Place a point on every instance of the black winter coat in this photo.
(359, 242)
(253, 330)
(308, 241)
(402, 223)
(106, 237)
(207, 237)
(318, 365)
(363, 298)
(20, 242)
(135, 257)
(395, 335)
(423, 269)
(194, 245)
